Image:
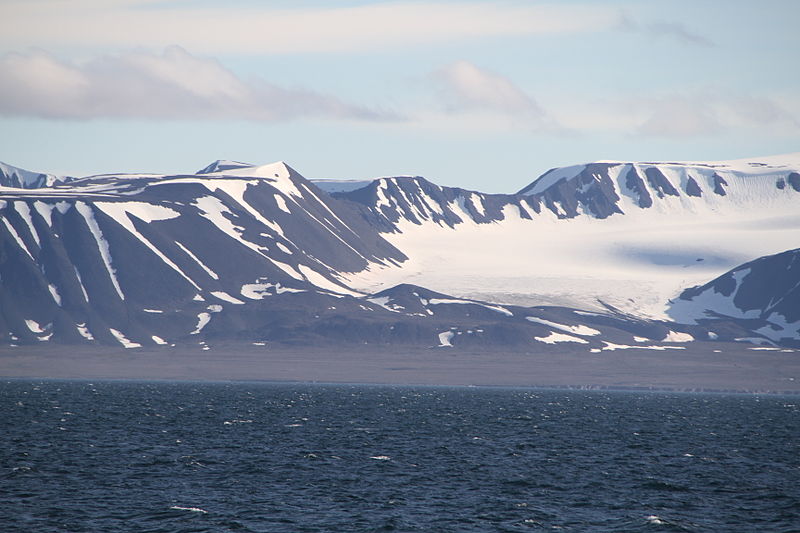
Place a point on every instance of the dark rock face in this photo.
(659, 182)
(592, 188)
(794, 181)
(719, 185)
(635, 183)
(692, 188)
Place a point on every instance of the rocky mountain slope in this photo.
(762, 295)
(11, 176)
(259, 254)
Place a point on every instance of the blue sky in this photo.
(479, 94)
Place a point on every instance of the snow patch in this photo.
(54, 293)
(84, 331)
(282, 204)
(677, 336)
(384, 301)
(495, 308)
(610, 346)
(444, 339)
(123, 340)
(560, 337)
(224, 296)
(202, 320)
(317, 279)
(578, 330)
(34, 326)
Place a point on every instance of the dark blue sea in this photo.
(197, 457)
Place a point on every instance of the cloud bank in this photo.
(171, 85)
(466, 87)
(693, 114)
(257, 28)
(475, 98)
(708, 113)
(667, 29)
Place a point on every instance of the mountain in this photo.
(630, 235)
(258, 253)
(606, 188)
(108, 253)
(11, 176)
(762, 295)
(393, 201)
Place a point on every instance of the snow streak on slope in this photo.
(102, 244)
(120, 212)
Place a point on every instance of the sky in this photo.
(485, 95)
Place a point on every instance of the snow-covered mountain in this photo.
(11, 176)
(606, 188)
(761, 295)
(632, 235)
(577, 259)
(122, 250)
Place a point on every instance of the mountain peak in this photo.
(11, 176)
(221, 165)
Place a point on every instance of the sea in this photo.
(148, 456)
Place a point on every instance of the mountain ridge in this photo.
(261, 254)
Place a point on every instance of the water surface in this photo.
(157, 456)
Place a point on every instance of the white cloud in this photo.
(170, 85)
(669, 29)
(466, 87)
(699, 113)
(680, 116)
(478, 99)
(255, 28)
(709, 113)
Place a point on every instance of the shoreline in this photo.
(735, 368)
(534, 387)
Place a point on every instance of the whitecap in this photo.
(653, 519)
(381, 458)
(193, 509)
